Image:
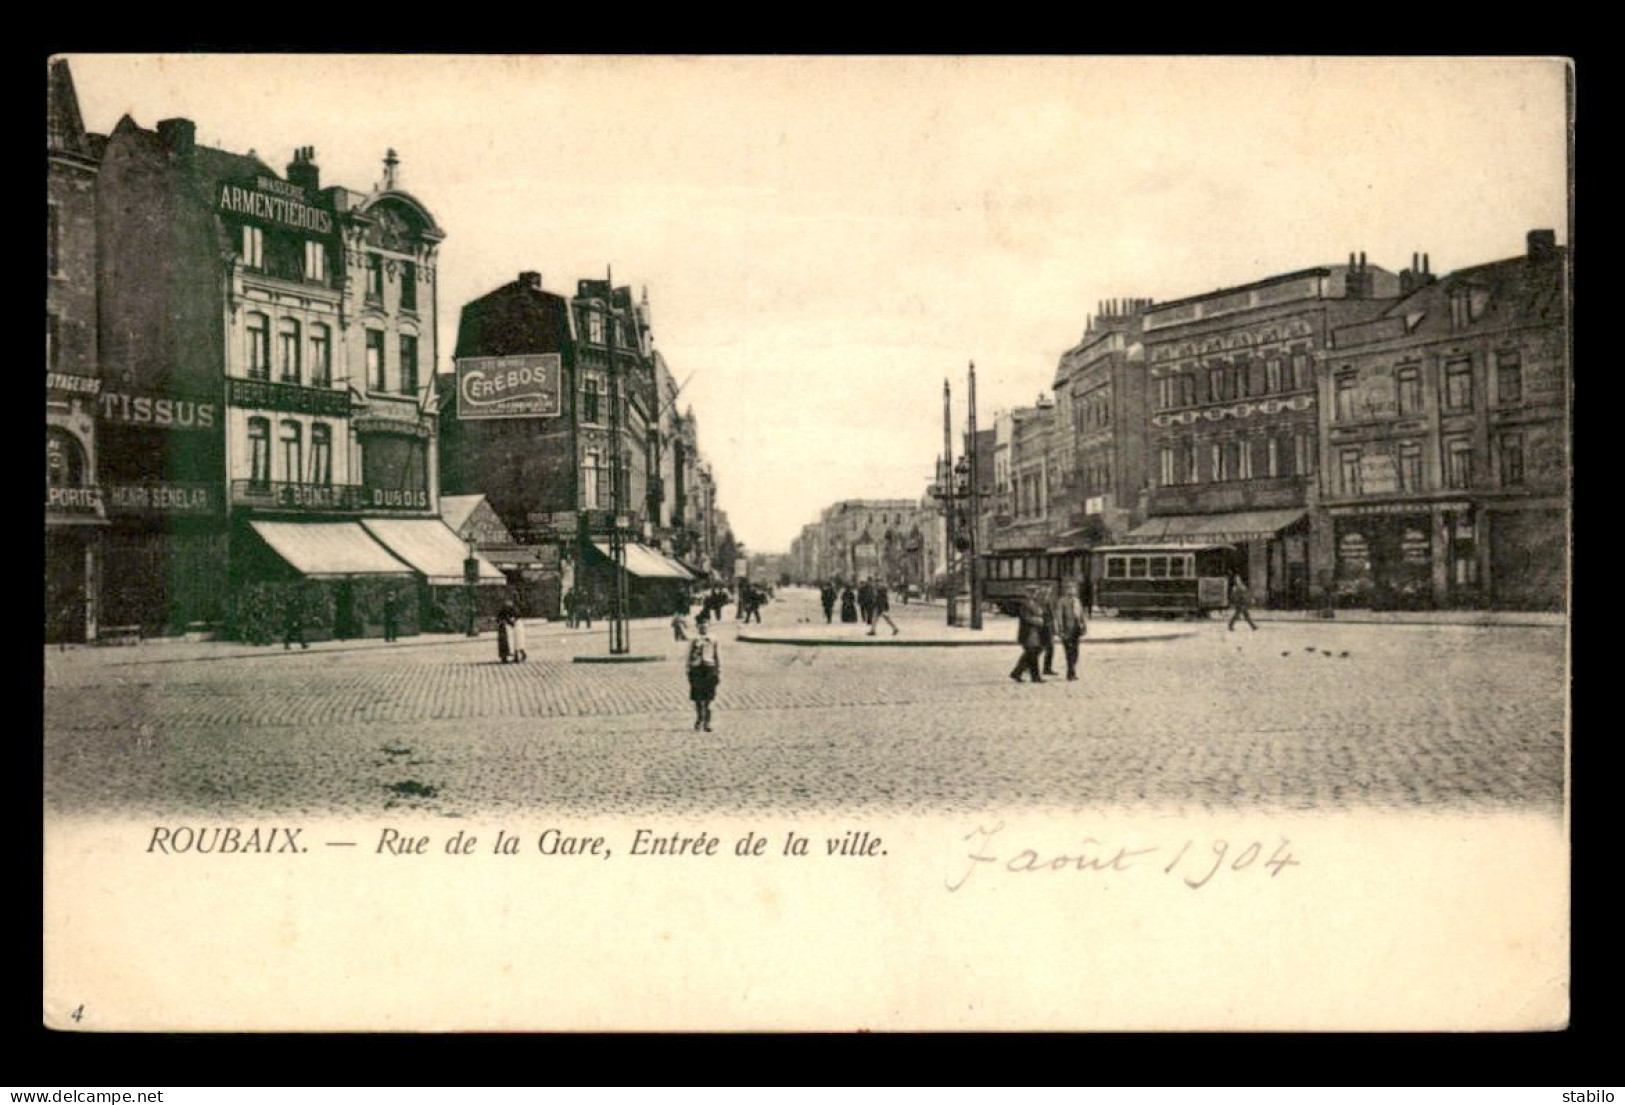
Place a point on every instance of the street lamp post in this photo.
(471, 574)
(619, 644)
(975, 509)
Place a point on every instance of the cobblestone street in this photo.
(1298, 715)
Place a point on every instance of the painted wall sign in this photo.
(268, 200)
(161, 498)
(153, 410)
(77, 385)
(264, 395)
(392, 498)
(509, 387)
(74, 500)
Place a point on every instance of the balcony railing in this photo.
(337, 498)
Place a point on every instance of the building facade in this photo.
(75, 510)
(1445, 468)
(266, 416)
(1233, 435)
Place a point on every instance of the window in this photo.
(1458, 385)
(1410, 466)
(1511, 460)
(1346, 383)
(1408, 386)
(1300, 372)
(1305, 454)
(375, 278)
(287, 350)
(1244, 460)
(375, 360)
(321, 454)
(1116, 567)
(1458, 462)
(1166, 393)
(409, 364)
(1215, 385)
(1158, 568)
(589, 400)
(1272, 375)
(321, 356)
(1348, 474)
(53, 341)
(590, 488)
(259, 450)
(259, 346)
(1176, 567)
(1272, 457)
(1189, 451)
(53, 239)
(316, 261)
(409, 286)
(1169, 478)
(1136, 567)
(1216, 460)
(1509, 377)
(595, 327)
(253, 247)
(1460, 309)
(292, 451)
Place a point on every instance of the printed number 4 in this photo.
(78, 1014)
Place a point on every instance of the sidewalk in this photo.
(166, 650)
(1416, 617)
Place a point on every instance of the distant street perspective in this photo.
(1300, 714)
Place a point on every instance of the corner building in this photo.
(1446, 441)
(1233, 442)
(269, 348)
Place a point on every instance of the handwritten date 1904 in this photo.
(1195, 866)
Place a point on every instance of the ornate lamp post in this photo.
(471, 574)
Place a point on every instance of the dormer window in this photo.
(595, 327)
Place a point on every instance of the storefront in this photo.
(1406, 556)
(437, 555)
(333, 578)
(74, 519)
(657, 585)
(1272, 547)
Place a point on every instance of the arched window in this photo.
(292, 451)
(287, 350)
(259, 346)
(259, 450)
(321, 454)
(64, 459)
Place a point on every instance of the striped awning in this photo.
(1245, 525)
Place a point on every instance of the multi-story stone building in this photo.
(75, 512)
(1100, 389)
(1444, 446)
(266, 425)
(878, 539)
(1233, 439)
(1028, 460)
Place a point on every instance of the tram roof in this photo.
(1136, 549)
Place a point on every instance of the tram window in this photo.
(1159, 567)
(1176, 567)
(1136, 567)
(1001, 569)
(1029, 567)
(1115, 568)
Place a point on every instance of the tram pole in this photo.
(618, 643)
(975, 511)
(948, 500)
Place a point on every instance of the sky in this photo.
(826, 240)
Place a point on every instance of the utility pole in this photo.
(618, 630)
(948, 499)
(975, 510)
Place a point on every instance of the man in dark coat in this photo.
(826, 595)
(1047, 631)
(1030, 635)
(293, 626)
(866, 602)
(1070, 625)
(391, 617)
(1240, 600)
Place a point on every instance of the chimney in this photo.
(1425, 270)
(302, 169)
(531, 280)
(179, 136)
(1542, 243)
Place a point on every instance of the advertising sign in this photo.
(509, 387)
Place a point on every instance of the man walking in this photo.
(826, 596)
(866, 602)
(1070, 625)
(1031, 637)
(391, 618)
(882, 608)
(1240, 600)
(1047, 632)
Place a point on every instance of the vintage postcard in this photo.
(806, 543)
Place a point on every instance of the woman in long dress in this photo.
(504, 643)
(849, 605)
(516, 635)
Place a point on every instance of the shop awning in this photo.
(645, 563)
(329, 549)
(431, 547)
(1245, 525)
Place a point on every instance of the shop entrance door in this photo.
(344, 627)
(64, 589)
